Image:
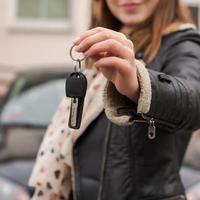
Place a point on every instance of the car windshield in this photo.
(29, 80)
(34, 106)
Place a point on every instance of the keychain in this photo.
(76, 86)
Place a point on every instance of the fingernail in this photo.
(76, 40)
(77, 48)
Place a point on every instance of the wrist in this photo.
(133, 89)
(134, 92)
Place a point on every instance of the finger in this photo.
(87, 34)
(101, 36)
(98, 56)
(121, 65)
(94, 31)
(112, 47)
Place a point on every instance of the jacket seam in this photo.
(176, 91)
(132, 164)
(101, 186)
(188, 103)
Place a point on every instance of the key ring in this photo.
(78, 62)
(72, 57)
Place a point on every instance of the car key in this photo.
(75, 88)
(76, 85)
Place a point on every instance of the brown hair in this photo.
(147, 37)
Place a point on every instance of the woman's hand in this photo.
(114, 55)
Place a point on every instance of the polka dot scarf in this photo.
(52, 175)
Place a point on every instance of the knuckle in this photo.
(99, 28)
(107, 35)
(130, 53)
(130, 43)
(94, 48)
(122, 35)
(87, 42)
(112, 42)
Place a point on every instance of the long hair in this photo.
(147, 37)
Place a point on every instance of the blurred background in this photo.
(35, 38)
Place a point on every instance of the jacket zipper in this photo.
(152, 128)
(170, 125)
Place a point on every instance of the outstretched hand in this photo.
(114, 55)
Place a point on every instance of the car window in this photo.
(17, 87)
(35, 106)
(28, 81)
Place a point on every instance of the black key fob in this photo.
(76, 86)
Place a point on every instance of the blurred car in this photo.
(190, 171)
(191, 181)
(24, 117)
(7, 76)
(10, 190)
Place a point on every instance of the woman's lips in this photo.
(130, 7)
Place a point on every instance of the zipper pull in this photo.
(151, 129)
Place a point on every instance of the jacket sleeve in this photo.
(174, 97)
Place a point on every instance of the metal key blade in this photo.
(74, 112)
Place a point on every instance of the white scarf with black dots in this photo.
(52, 175)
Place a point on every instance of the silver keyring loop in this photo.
(77, 68)
(71, 55)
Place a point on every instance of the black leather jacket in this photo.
(126, 162)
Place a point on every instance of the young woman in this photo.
(145, 62)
